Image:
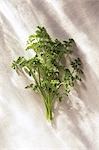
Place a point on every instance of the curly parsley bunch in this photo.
(52, 78)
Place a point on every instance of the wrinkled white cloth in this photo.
(22, 122)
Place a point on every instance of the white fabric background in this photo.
(22, 122)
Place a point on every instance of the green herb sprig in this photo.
(52, 78)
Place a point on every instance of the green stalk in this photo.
(49, 108)
(47, 100)
(40, 89)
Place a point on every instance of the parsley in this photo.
(52, 77)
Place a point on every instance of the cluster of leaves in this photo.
(52, 77)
